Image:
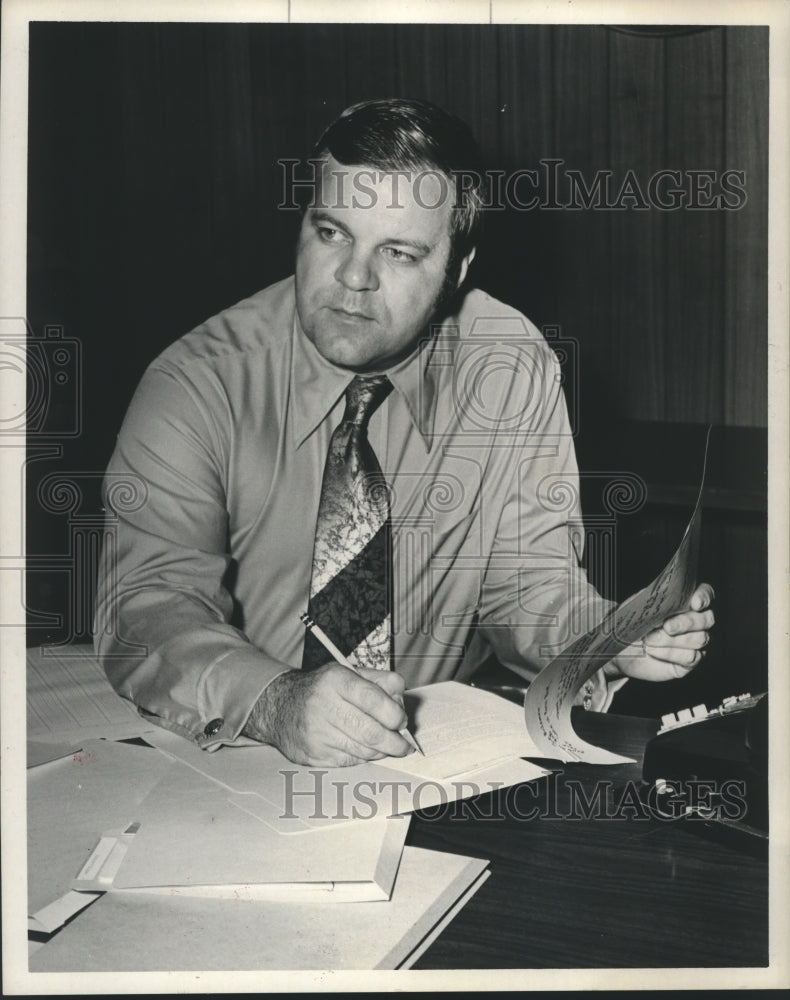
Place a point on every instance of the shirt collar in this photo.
(317, 385)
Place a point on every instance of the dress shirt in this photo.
(213, 490)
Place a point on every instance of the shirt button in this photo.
(213, 727)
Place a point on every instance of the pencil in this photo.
(336, 655)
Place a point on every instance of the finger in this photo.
(680, 656)
(362, 711)
(687, 640)
(378, 693)
(333, 747)
(702, 597)
(689, 621)
(320, 752)
(369, 731)
(352, 748)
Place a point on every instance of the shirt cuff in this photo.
(228, 691)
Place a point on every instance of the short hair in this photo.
(409, 134)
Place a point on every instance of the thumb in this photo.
(702, 597)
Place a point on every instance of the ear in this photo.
(465, 266)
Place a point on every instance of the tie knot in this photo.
(363, 396)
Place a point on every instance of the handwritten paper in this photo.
(549, 698)
(461, 729)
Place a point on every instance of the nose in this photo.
(357, 272)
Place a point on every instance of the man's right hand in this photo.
(332, 717)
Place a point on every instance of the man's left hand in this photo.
(675, 648)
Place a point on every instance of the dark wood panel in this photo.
(638, 258)
(745, 320)
(420, 62)
(582, 298)
(370, 71)
(472, 84)
(693, 390)
(525, 74)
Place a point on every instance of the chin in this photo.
(342, 354)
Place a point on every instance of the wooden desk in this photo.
(598, 892)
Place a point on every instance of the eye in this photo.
(330, 235)
(400, 256)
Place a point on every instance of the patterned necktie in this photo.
(352, 555)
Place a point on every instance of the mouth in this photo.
(352, 315)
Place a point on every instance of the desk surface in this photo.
(618, 890)
(600, 892)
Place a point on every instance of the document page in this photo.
(70, 699)
(461, 729)
(549, 698)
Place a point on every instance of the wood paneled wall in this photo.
(153, 186)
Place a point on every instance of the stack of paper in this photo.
(131, 932)
(210, 884)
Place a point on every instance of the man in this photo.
(235, 427)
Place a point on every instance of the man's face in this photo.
(371, 264)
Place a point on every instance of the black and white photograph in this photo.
(394, 536)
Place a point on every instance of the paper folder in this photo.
(188, 839)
